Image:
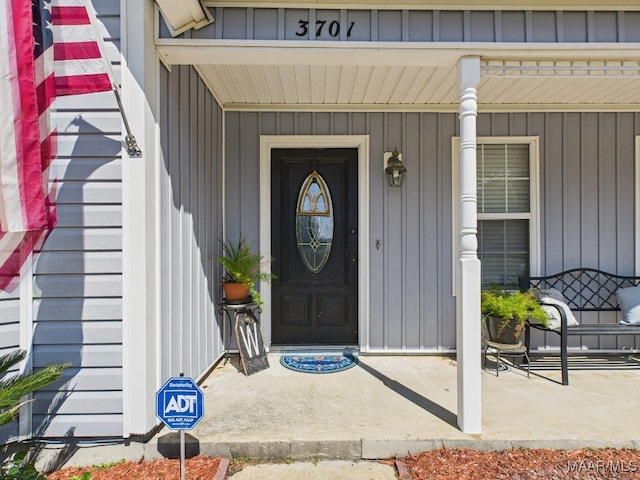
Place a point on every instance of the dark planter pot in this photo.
(509, 332)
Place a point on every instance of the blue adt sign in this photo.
(180, 403)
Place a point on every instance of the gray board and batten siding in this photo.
(417, 25)
(587, 165)
(191, 223)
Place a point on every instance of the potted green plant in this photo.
(242, 270)
(506, 314)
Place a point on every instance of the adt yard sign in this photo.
(180, 403)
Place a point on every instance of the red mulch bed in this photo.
(197, 468)
(440, 464)
(524, 464)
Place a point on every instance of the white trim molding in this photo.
(140, 223)
(637, 218)
(25, 425)
(361, 142)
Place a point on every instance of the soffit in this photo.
(268, 77)
(325, 87)
(330, 85)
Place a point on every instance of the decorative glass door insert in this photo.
(314, 222)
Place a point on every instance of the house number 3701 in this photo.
(333, 28)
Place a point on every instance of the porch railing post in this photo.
(468, 300)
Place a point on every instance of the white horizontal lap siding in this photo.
(9, 331)
(80, 425)
(9, 342)
(9, 319)
(191, 219)
(77, 283)
(106, 238)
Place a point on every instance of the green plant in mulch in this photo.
(12, 390)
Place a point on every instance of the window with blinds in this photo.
(504, 213)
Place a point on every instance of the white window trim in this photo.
(534, 199)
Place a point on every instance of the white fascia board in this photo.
(435, 108)
(225, 52)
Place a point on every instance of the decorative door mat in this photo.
(319, 363)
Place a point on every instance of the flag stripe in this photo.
(8, 168)
(48, 148)
(75, 84)
(17, 246)
(20, 121)
(69, 15)
(79, 67)
(76, 51)
(45, 95)
(26, 121)
(73, 34)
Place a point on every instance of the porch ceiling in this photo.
(320, 86)
(272, 78)
(391, 87)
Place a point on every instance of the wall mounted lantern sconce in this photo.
(395, 170)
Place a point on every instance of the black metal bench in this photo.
(586, 290)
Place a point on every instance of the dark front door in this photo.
(314, 240)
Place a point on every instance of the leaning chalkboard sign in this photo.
(253, 355)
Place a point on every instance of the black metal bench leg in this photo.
(527, 342)
(564, 357)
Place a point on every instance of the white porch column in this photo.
(468, 300)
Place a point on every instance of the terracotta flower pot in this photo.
(235, 292)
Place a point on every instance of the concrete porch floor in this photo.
(393, 405)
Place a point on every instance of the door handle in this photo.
(354, 259)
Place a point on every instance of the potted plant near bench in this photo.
(242, 269)
(506, 314)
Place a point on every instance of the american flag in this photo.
(48, 48)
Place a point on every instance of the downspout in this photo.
(468, 313)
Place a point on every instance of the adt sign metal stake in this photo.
(180, 405)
